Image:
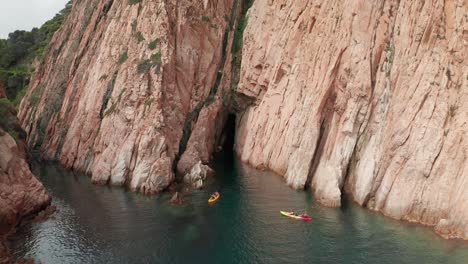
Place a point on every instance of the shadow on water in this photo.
(97, 224)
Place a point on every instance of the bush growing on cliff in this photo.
(21, 48)
(123, 57)
(36, 96)
(241, 25)
(239, 34)
(144, 66)
(133, 2)
(153, 44)
(20, 95)
(238, 43)
(140, 37)
(5, 104)
(156, 59)
(15, 79)
(107, 95)
(8, 118)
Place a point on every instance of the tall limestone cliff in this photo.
(363, 97)
(368, 97)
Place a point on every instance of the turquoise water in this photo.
(96, 224)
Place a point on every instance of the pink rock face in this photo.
(21, 194)
(120, 85)
(362, 96)
(202, 141)
(359, 96)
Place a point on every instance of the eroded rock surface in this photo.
(198, 175)
(368, 97)
(364, 96)
(21, 194)
(126, 88)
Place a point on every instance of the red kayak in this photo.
(299, 217)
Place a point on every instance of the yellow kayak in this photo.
(214, 197)
(293, 215)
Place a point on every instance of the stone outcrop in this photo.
(198, 175)
(205, 137)
(128, 86)
(368, 97)
(176, 199)
(21, 194)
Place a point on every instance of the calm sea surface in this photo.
(96, 224)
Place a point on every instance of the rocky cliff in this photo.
(129, 90)
(21, 194)
(369, 97)
(364, 97)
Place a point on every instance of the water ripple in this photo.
(96, 224)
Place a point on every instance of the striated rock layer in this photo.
(128, 86)
(368, 97)
(21, 194)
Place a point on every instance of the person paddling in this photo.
(214, 197)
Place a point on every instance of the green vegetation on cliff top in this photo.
(19, 51)
(17, 54)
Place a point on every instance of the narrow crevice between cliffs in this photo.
(234, 101)
(321, 140)
(107, 95)
(388, 54)
(192, 117)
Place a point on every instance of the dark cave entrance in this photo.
(228, 136)
(224, 158)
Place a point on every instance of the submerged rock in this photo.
(198, 174)
(176, 199)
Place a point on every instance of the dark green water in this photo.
(96, 224)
